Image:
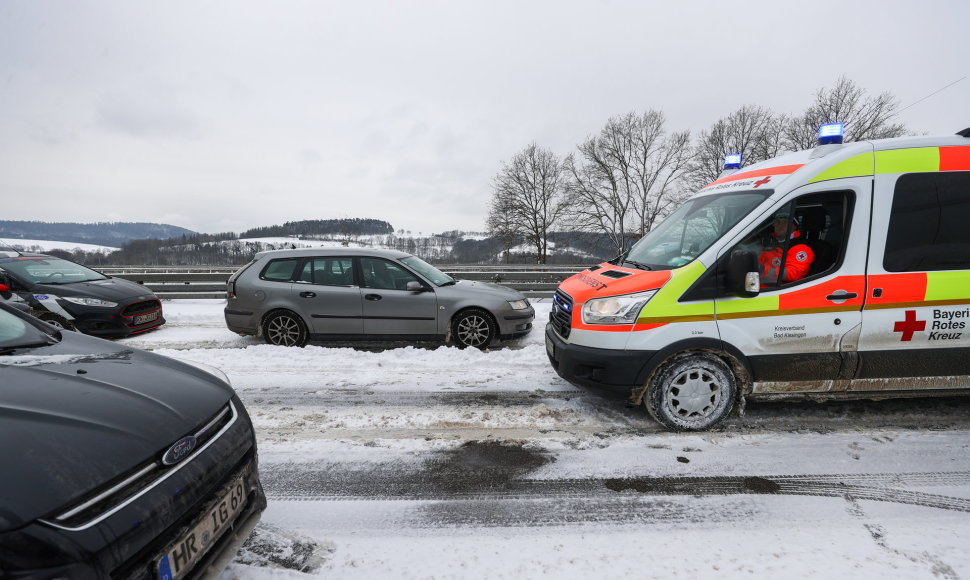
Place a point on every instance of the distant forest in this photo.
(227, 249)
(112, 234)
(342, 227)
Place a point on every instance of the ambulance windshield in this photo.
(691, 229)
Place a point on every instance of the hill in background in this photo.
(102, 233)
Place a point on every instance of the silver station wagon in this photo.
(290, 297)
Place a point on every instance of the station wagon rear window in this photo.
(280, 270)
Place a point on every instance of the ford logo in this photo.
(179, 451)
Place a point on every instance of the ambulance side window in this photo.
(800, 241)
(928, 223)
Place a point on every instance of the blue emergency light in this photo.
(732, 161)
(831, 133)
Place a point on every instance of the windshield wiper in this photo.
(6, 350)
(638, 265)
(619, 259)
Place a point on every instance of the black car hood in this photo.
(76, 414)
(114, 289)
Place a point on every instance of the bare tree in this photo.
(628, 176)
(501, 224)
(754, 132)
(864, 117)
(529, 197)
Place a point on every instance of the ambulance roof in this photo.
(831, 162)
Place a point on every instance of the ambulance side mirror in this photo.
(743, 278)
(752, 283)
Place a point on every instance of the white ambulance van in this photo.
(837, 272)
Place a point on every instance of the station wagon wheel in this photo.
(473, 328)
(691, 391)
(56, 320)
(284, 329)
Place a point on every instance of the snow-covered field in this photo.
(48, 245)
(434, 462)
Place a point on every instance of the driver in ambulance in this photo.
(797, 258)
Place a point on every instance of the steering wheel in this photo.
(52, 274)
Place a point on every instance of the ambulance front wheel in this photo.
(691, 391)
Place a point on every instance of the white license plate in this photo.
(143, 318)
(192, 546)
(550, 347)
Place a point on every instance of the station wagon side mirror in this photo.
(415, 286)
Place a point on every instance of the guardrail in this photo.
(210, 282)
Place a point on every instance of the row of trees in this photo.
(624, 179)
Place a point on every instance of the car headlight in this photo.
(207, 368)
(88, 301)
(519, 304)
(616, 309)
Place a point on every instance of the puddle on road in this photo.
(482, 466)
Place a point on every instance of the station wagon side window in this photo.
(929, 224)
(281, 270)
(385, 275)
(328, 272)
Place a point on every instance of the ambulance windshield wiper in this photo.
(619, 259)
(638, 265)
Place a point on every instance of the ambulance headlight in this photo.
(616, 309)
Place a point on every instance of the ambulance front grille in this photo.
(561, 315)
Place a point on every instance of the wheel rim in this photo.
(694, 394)
(283, 331)
(473, 330)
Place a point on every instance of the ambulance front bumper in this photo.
(597, 368)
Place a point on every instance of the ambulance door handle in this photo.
(841, 295)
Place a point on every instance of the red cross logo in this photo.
(761, 181)
(909, 326)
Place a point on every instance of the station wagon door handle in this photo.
(372, 296)
(841, 295)
(308, 294)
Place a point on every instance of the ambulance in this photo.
(832, 273)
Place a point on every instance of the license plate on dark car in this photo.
(550, 347)
(143, 318)
(193, 545)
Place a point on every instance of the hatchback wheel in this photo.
(473, 328)
(57, 321)
(284, 329)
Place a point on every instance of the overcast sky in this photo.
(225, 115)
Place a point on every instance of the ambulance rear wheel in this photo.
(691, 391)
(56, 320)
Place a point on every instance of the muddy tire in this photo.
(473, 327)
(691, 391)
(56, 320)
(284, 328)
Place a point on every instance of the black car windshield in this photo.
(436, 276)
(690, 230)
(50, 271)
(16, 332)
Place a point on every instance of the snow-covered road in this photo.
(442, 463)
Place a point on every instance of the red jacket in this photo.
(797, 262)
